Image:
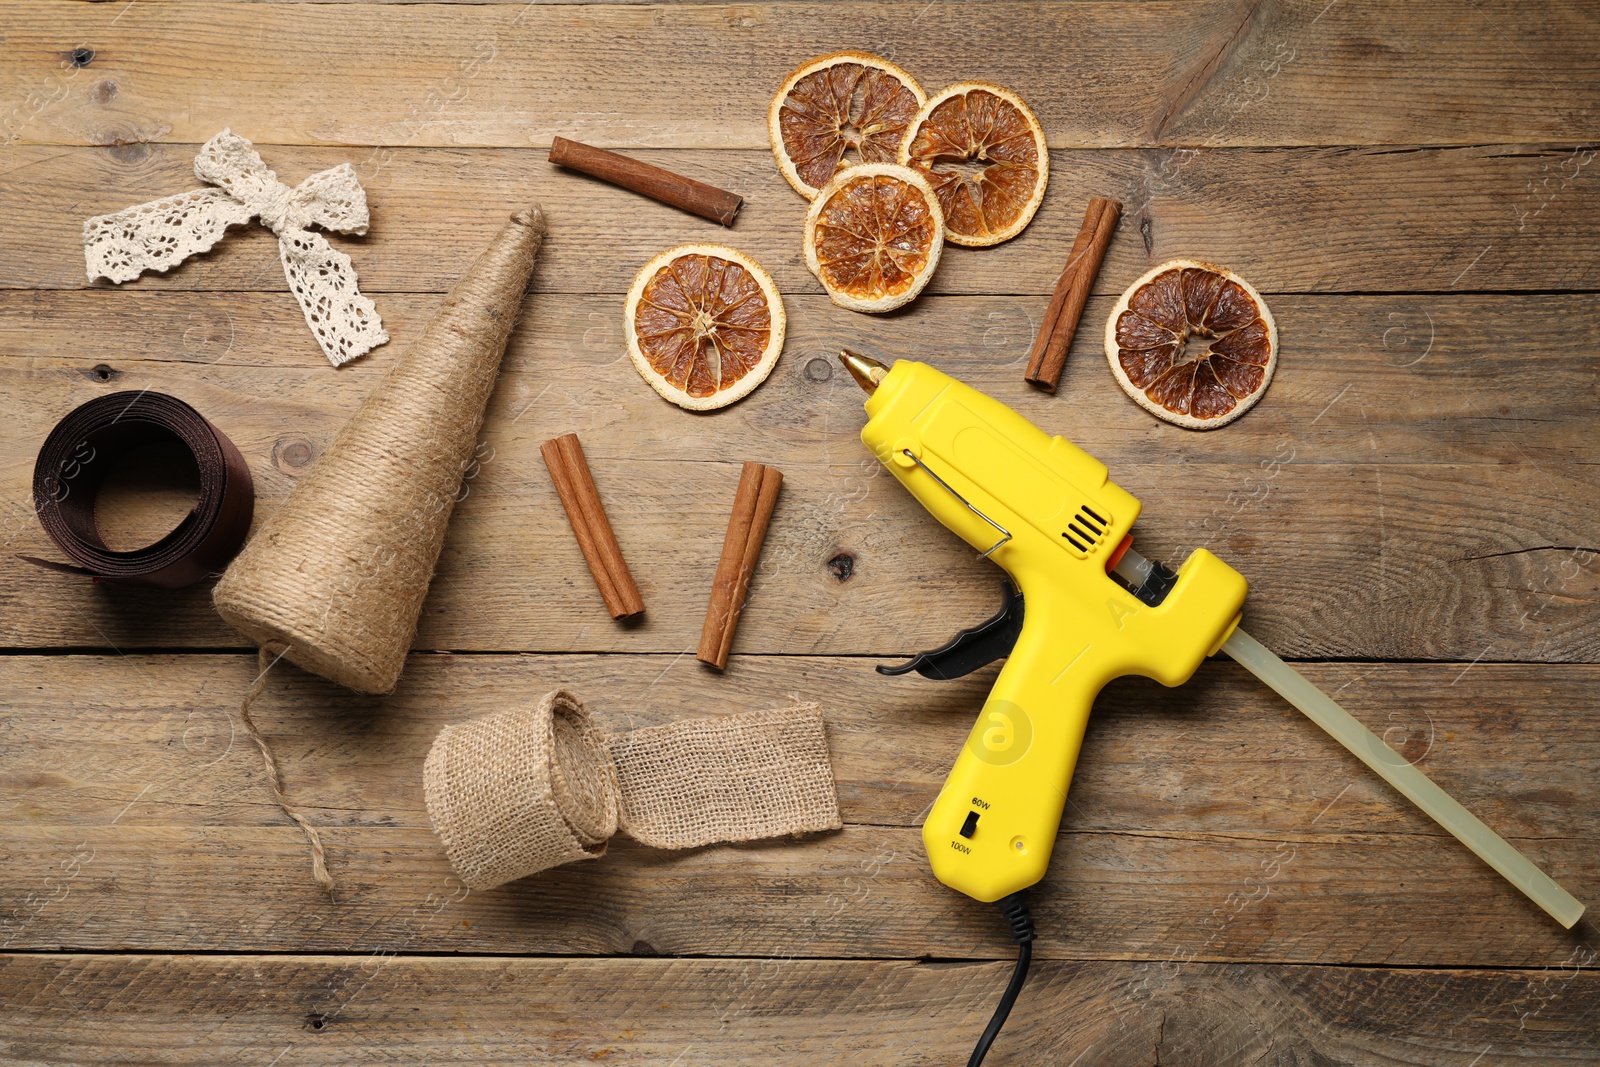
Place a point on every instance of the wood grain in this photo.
(1229, 886)
(1220, 755)
(1211, 820)
(325, 1010)
(864, 892)
(507, 76)
(1336, 572)
(1290, 220)
(1431, 510)
(1427, 378)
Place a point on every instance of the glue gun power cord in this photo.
(1015, 911)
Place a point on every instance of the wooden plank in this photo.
(1461, 536)
(1211, 821)
(1395, 900)
(1260, 767)
(1450, 378)
(322, 1009)
(1290, 220)
(504, 76)
(851, 570)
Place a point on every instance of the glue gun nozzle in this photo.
(867, 371)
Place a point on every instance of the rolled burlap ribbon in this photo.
(339, 572)
(519, 792)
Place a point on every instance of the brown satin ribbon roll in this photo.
(73, 463)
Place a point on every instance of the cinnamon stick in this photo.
(1049, 353)
(569, 470)
(697, 198)
(741, 548)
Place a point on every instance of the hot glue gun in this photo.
(1084, 609)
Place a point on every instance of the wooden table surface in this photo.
(1414, 503)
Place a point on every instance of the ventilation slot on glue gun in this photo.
(1085, 530)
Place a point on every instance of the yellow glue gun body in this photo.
(1044, 510)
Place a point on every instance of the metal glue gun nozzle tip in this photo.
(867, 371)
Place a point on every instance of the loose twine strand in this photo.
(266, 658)
(335, 578)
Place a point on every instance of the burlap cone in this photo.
(340, 571)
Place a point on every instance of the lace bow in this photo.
(163, 233)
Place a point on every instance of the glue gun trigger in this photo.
(972, 648)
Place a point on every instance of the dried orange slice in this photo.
(704, 325)
(873, 236)
(975, 123)
(839, 110)
(1152, 335)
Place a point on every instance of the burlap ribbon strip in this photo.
(521, 791)
(163, 233)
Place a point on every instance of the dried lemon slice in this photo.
(704, 325)
(873, 236)
(978, 123)
(1152, 335)
(839, 110)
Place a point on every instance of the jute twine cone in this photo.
(339, 572)
(334, 580)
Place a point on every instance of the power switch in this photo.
(970, 827)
